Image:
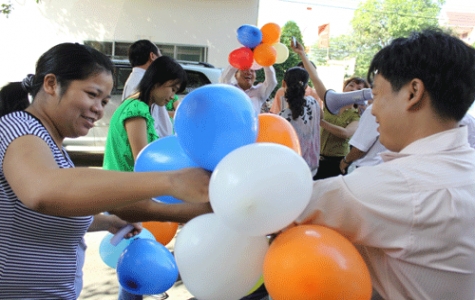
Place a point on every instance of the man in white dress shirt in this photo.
(141, 54)
(244, 79)
(412, 217)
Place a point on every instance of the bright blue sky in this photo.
(337, 12)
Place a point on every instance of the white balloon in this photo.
(282, 53)
(260, 188)
(216, 262)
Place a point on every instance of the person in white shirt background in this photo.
(366, 147)
(412, 216)
(258, 93)
(141, 54)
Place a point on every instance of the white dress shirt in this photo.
(412, 217)
(132, 82)
(163, 124)
(366, 139)
(469, 121)
(258, 93)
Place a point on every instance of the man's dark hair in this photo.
(139, 52)
(444, 63)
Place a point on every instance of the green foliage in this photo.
(375, 24)
(289, 30)
(6, 8)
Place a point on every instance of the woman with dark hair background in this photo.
(304, 114)
(337, 131)
(132, 126)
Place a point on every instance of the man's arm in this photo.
(227, 74)
(353, 155)
(270, 81)
(149, 210)
(276, 105)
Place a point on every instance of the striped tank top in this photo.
(38, 252)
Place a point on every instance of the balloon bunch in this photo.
(259, 185)
(261, 47)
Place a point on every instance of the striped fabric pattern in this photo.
(37, 251)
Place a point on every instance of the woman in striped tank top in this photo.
(47, 205)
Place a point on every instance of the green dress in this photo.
(118, 153)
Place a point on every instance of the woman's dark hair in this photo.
(296, 79)
(357, 80)
(444, 63)
(13, 98)
(161, 70)
(67, 62)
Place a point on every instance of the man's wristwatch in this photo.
(345, 161)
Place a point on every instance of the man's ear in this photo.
(151, 56)
(50, 84)
(416, 95)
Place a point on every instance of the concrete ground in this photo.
(100, 281)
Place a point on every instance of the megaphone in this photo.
(335, 101)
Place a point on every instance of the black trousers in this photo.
(329, 167)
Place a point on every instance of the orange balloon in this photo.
(276, 129)
(265, 55)
(315, 262)
(270, 33)
(163, 232)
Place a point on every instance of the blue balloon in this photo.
(214, 120)
(249, 36)
(110, 254)
(146, 267)
(164, 154)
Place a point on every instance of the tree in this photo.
(6, 8)
(376, 23)
(289, 30)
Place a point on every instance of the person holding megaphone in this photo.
(337, 127)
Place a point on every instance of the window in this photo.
(179, 52)
(190, 53)
(167, 50)
(121, 49)
(104, 47)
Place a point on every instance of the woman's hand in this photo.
(298, 48)
(116, 224)
(191, 185)
(113, 224)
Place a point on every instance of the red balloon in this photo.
(241, 58)
(315, 262)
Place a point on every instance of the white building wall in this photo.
(33, 28)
